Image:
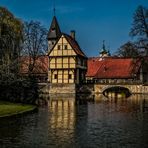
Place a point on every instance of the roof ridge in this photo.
(70, 40)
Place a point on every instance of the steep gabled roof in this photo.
(113, 68)
(54, 31)
(74, 44)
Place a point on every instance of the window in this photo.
(1, 61)
(65, 47)
(70, 76)
(55, 76)
(59, 47)
(53, 29)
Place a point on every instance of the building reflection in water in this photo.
(62, 119)
(67, 117)
(64, 109)
(72, 118)
(136, 102)
(80, 121)
(63, 112)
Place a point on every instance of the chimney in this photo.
(72, 34)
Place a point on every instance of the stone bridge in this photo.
(133, 89)
(45, 88)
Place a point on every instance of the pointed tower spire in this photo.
(54, 33)
(54, 11)
(54, 8)
(103, 47)
(103, 52)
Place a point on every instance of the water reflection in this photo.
(135, 102)
(62, 113)
(69, 119)
(117, 92)
(62, 119)
(80, 121)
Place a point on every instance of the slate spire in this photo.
(104, 52)
(54, 31)
(103, 47)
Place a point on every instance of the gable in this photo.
(62, 48)
(74, 44)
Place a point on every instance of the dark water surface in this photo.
(102, 123)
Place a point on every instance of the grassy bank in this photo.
(9, 109)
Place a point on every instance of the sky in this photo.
(93, 20)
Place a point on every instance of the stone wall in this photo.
(46, 89)
(85, 88)
(134, 89)
(62, 89)
(43, 88)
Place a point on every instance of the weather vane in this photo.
(54, 9)
(104, 44)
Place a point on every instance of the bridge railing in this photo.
(113, 82)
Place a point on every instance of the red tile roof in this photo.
(93, 65)
(41, 65)
(74, 44)
(107, 68)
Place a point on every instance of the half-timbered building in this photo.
(67, 62)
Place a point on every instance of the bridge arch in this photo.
(115, 86)
(116, 91)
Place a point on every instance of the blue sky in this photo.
(93, 20)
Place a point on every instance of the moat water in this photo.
(66, 123)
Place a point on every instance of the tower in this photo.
(67, 62)
(54, 33)
(104, 52)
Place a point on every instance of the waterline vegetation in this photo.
(14, 40)
(10, 109)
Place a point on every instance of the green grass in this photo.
(9, 109)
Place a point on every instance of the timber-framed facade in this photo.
(67, 62)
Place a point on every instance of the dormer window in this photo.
(53, 29)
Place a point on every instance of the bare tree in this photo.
(35, 42)
(140, 28)
(129, 49)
